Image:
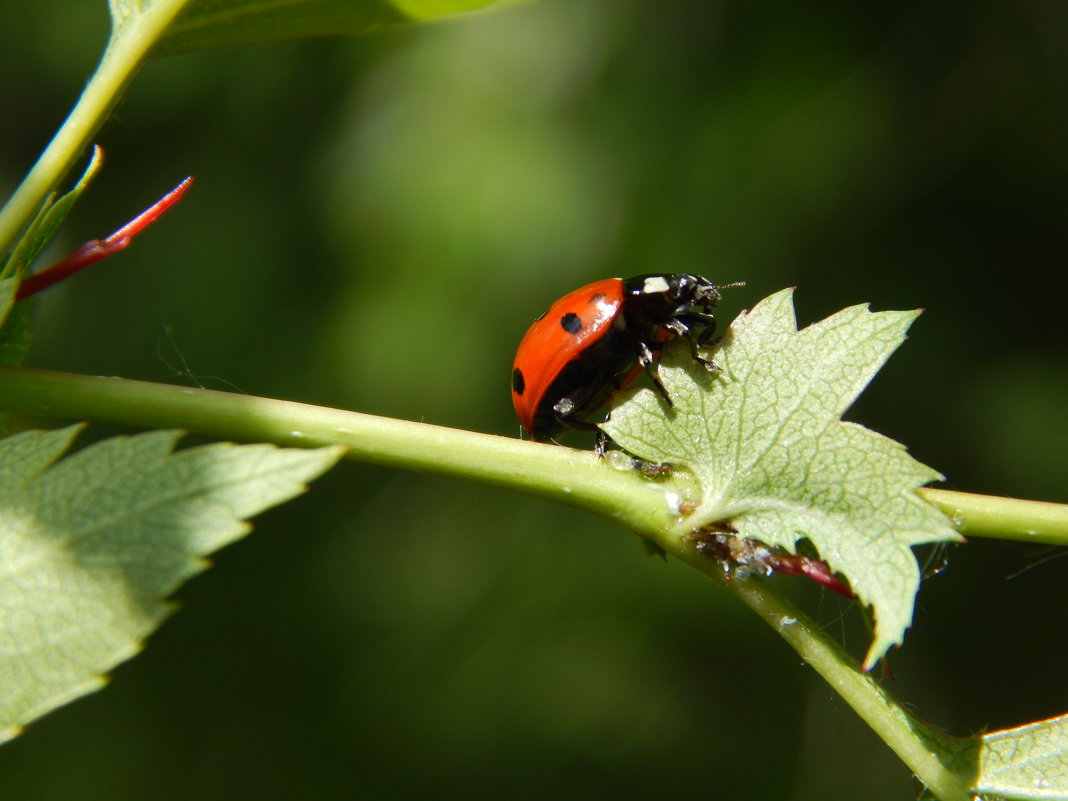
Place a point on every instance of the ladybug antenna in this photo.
(731, 285)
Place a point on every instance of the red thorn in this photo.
(96, 249)
(794, 565)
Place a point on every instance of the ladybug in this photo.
(598, 339)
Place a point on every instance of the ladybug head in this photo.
(694, 290)
(664, 295)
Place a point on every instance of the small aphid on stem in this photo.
(737, 552)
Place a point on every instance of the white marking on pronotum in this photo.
(655, 283)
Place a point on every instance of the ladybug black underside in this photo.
(583, 386)
(587, 381)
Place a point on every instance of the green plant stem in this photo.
(565, 475)
(127, 50)
(1004, 518)
(500, 461)
(933, 757)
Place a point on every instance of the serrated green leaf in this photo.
(215, 23)
(1029, 762)
(770, 455)
(92, 545)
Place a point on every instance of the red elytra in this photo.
(571, 325)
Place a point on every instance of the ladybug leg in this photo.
(695, 344)
(683, 324)
(708, 364)
(564, 411)
(708, 323)
(647, 359)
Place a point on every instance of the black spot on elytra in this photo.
(519, 384)
(571, 323)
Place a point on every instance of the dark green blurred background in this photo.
(375, 223)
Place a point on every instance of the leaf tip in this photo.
(880, 647)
